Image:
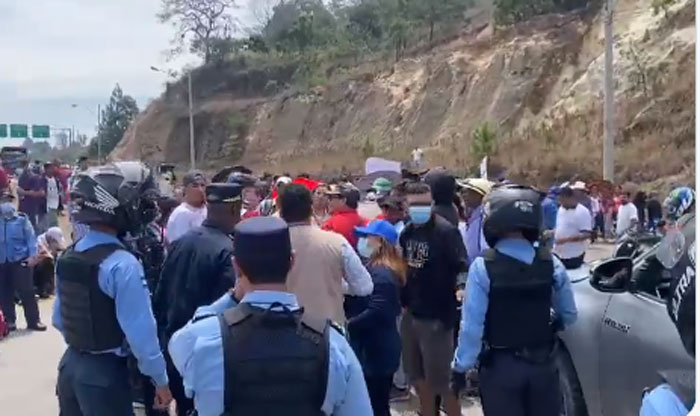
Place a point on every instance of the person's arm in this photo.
(30, 238)
(346, 394)
(474, 307)
(133, 307)
(56, 319)
(225, 277)
(358, 278)
(563, 301)
(378, 309)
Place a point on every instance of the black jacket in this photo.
(197, 271)
(435, 255)
(373, 332)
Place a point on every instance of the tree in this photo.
(114, 121)
(483, 141)
(202, 23)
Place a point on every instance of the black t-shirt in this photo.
(435, 255)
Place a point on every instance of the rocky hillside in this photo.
(537, 84)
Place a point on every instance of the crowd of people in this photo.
(276, 296)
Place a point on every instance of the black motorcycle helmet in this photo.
(121, 195)
(509, 208)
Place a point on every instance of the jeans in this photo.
(14, 277)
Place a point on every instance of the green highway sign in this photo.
(3, 130)
(41, 131)
(19, 131)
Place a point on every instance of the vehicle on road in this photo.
(623, 336)
(12, 158)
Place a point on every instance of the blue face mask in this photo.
(420, 214)
(7, 209)
(363, 248)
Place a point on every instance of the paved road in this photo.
(28, 364)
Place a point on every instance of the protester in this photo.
(18, 251)
(549, 209)
(640, 201)
(269, 206)
(320, 205)
(342, 204)
(506, 325)
(192, 211)
(473, 192)
(102, 306)
(324, 260)
(654, 211)
(54, 195)
(582, 197)
(197, 271)
(598, 212)
(417, 157)
(573, 229)
(258, 351)
(373, 331)
(250, 196)
(27, 182)
(381, 187)
(49, 246)
(4, 180)
(393, 211)
(443, 188)
(627, 215)
(435, 255)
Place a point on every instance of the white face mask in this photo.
(363, 248)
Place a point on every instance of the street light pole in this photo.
(189, 90)
(99, 137)
(609, 103)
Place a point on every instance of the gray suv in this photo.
(623, 336)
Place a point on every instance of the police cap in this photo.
(223, 193)
(262, 248)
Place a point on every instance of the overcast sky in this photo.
(54, 53)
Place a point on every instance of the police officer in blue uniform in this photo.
(676, 253)
(255, 352)
(102, 304)
(17, 255)
(506, 322)
(197, 271)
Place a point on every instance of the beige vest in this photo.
(317, 275)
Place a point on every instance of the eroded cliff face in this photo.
(539, 84)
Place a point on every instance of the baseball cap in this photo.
(478, 185)
(379, 228)
(193, 177)
(391, 202)
(382, 185)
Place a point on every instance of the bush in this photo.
(483, 141)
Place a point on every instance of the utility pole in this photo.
(99, 138)
(609, 103)
(189, 89)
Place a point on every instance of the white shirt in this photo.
(52, 199)
(184, 218)
(625, 215)
(417, 155)
(571, 223)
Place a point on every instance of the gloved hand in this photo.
(458, 382)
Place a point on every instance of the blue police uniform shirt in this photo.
(17, 239)
(197, 353)
(476, 302)
(121, 277)
(662, 401)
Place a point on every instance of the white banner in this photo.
(377, 164)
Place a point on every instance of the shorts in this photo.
(428, 348)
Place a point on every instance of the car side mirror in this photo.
(613, 275)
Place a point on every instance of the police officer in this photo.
(676, 395)
(264, 355)
(197, 271)
(102, 305)
(18, 251)
(506, 322)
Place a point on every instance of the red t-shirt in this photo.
(4, 182)
(251, 214)
(344, 223)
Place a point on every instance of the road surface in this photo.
(28, 367)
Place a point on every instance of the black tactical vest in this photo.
(88, 314)
(520, 300)
(276, 363)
